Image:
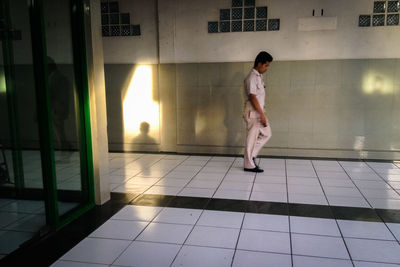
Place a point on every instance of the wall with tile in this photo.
(132, 49)
(330, 93)
(181, 35)
(324, 108)
(184, 37)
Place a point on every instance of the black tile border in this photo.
(46, 250)
(275, 208)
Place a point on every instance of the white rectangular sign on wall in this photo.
(317, 23)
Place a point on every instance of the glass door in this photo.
(46, 173)
(22, 202)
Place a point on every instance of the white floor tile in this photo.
(372, 184)
(369, 230)
(206, 169)
(76, 264)
(383, 193)
(126, 172)
(209, 176)
(146, 254)
(319, 246)
(202, 256)
(219, 164)
(142, 181)
(261, 259)
(232, 194)
(173, 182)
(337, 182)
(179, 216)
(269, 222)
(118, 229)
(374, 250)
(188, 168)
(165, 233)
(221, 219)
(119, 179)
(305, 189)
(391, 177)
(265, 241)
(137, 189)
(275, 172)
(163, 190)
(333, 175)
(304, 261)
(270, 179)
(395, 229)
(301, 173)
(342, 191)
(303, 181)
(137, 213)
(96, 250)
(149, 173)
(271, 188)
(207, 236)
(227, 185)
(381, 203)
(307, 199)
(238, 178)
(373, 264)
(316, 226)
(395, 185)
(270, 197)
(348, 201)
(364, 176)
(308, 167)
(180, 175)
(207, 184)
(197, 192)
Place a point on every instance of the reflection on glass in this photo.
(63, 103)
(22, 211)
(2, 81)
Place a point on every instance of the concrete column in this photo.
(98, 108)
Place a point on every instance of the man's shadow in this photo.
(144, 138)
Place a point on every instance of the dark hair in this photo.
(262, 57)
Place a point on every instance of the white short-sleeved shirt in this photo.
(254, 84)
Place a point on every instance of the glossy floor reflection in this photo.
(319, 182)
(20, 220)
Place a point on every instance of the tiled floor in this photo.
(20, 220)
(154, 235)
(320, 182)
(163, 236)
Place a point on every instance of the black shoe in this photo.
(254, 160)
(256, 169)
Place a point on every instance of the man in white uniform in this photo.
(258, 128)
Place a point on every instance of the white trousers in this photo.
(257, 137)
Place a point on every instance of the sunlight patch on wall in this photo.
(377, 83)
(140, 111)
